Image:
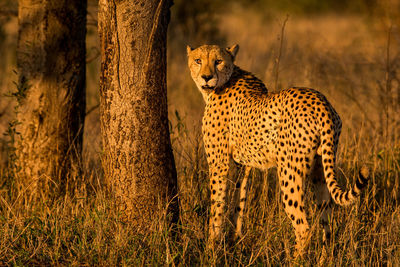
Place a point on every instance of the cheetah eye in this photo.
(198, 61)
(218, 61)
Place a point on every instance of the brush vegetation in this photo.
(353, 58)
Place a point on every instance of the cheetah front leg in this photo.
(218, 183)
(239, 209)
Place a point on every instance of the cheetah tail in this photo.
(341, 198)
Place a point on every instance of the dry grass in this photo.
(345, 57)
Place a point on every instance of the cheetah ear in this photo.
(233, 50)
(188, 49)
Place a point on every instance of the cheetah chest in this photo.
(244, 129)
(253, 136)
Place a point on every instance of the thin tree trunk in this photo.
(137, 160)
(51, 94)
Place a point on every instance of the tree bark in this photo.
(137, 160)
(51, 94)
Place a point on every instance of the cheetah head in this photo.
(211, 66)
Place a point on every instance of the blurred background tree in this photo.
(50, 97)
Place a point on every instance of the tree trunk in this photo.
(137, 160)
(51, 94)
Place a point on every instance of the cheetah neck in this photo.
(240, 79)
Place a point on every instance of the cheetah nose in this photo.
(206, 77)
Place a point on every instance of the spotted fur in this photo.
(297, 130)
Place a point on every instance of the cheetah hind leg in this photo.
(324, 203)
(293, 202)
(240, 205)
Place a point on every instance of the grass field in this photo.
(353, 58)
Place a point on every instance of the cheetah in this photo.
(295, 130)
